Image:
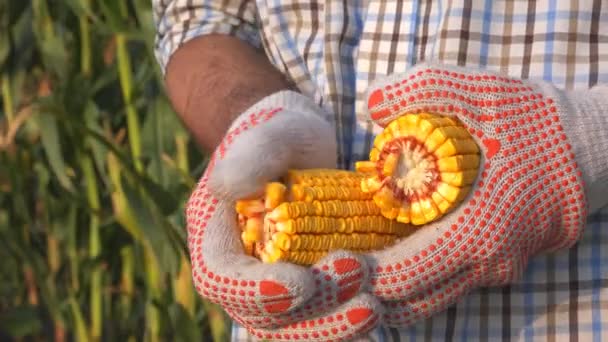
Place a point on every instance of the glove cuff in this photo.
(586, 125)
(286, 100)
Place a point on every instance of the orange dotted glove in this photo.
(279, 301)
(529, 196)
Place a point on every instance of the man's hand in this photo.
(529, 196)
(280, 300)
(212, 79)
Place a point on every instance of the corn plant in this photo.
(95, 170)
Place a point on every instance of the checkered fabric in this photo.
(333, 49)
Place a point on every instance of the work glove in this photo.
(544, 166)
(278, 301)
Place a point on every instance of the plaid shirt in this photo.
(333, 49)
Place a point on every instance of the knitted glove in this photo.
(282, 131)
(544, 164)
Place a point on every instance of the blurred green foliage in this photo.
(95, 169)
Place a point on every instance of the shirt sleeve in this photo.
(178, 21)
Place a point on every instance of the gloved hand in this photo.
(544, 164)
(274, 301)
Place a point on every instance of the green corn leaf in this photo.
(83, 8)
(155, 143)
(52, 147)
(13, 32)
(21, 37)
(5, 47)
(20, 321)
(153, 226)
(10, 11)
(113, 18)
(161, 124)
(98, 151)
(72, 252)
(43, 176)
(4, 220)
(158, 138)
(217, 319)
(166, 201)
(18, 81)
(182, 324)
(80, 7)
(55, 55)
(104, 80)
(79, 323)
(19, 202)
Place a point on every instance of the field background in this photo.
(95, 169)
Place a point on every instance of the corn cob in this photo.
(312, 213)
(421, 167)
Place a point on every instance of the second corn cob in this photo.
(314, 212)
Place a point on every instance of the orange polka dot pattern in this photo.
(274, 301)
(528, 197)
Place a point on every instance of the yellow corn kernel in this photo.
(404, 215)
(449, 192)
(321, 177)
(416, 215)
(384, 198)
(425, 128)
(250, 207)
(365, 167)
(429, 209)
(455, 146)
(371, 184)
(390, 213)
(358, 224)
(442, 204)
(248, 247)
(323, 193)
(460, 178)
(373, 155)
(390, 164)
(253, 229)
(275, 195)
(458, 163)
(317, 208)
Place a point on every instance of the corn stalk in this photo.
(96, 300)
(183, 288)
(133, 129)
(7, 99)
(96, 315)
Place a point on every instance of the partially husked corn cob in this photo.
(421, 167)
(314, 212)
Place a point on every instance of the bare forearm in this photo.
(212, 79)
